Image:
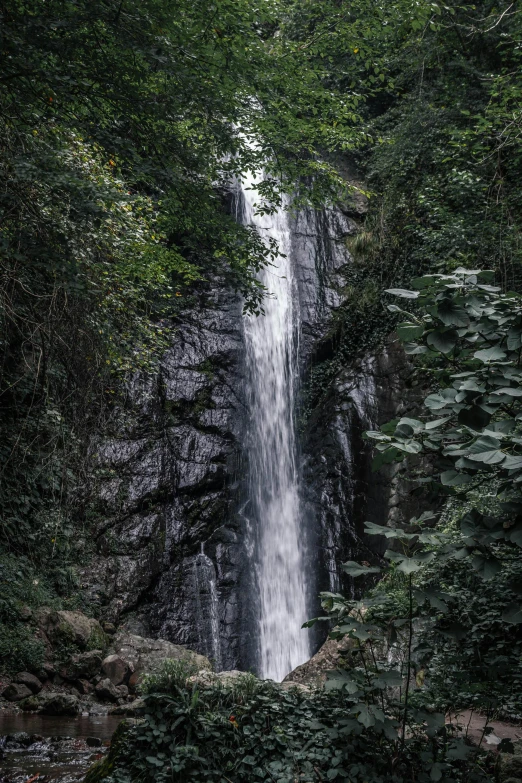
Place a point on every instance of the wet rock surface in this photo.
(16, 692)
(165, 478)
(341, 490)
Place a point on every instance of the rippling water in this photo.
(57, 749)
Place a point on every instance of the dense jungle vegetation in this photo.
(122, 124)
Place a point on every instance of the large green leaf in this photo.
(409, 331)
(403, 293)
(443, 341)
(356, 569)
(512, 614)
(488, 457)
(452, 314)
(474, 417)
(452, 478)
(494, 354)
(486, 567)
(409, 565)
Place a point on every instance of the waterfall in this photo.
(207, 601)
(276, 531)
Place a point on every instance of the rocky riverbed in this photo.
(50, 748)
(94, 674)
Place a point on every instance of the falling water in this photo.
(277, 537)
(207, 600)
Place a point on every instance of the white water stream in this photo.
(274, 509)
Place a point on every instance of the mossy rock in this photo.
(104, 767)
(98, 640)
(74, 629)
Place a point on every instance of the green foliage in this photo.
(402, 633)
(121, 128)
(440, 152)
(471, 337)
(19, 650)
(252, 730)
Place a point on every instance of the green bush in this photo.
(19, 650)
(249, 730)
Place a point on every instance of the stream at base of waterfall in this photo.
(275, 521)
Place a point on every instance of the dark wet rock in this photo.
(19, 738)
(52, 703)
(93, 742)
(133, 681)
(83, 666)
(32, 682)
(16, 692)
(340, 489)
(106, 691)
(168, 485)
(84, 687)
(47, 671)
(116, 669)
(123, 691)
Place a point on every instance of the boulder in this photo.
(85, 687)
(52, 703)
(66, 628)
(47, 671)
(228, 679)
(32, 682)
(330, 656)
(132, 709)
(19, 738)
(145, 656)
(84, 665)
(106, 691)
(16, 692)
(134, 681)
(116, 669)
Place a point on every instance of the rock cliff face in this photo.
(168, 541)
(168, 476)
